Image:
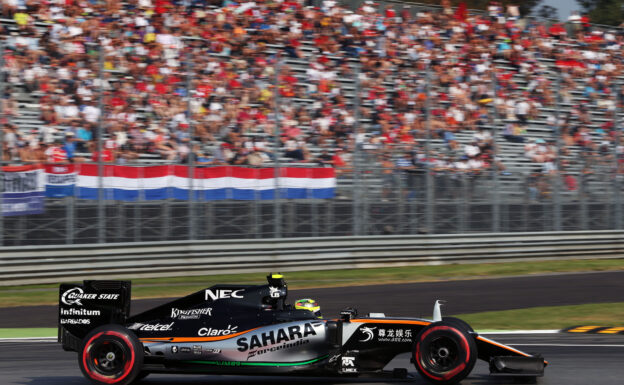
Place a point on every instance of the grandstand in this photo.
(300, 52)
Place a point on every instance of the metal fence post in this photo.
(496, 192)
(616, 168)
(137, 206)
(69, 219)
(277, 210)
(429, 178)
(467, 198)
(557, 175)
(1, 137)
(582, 198)
(191, 128)
(356, 195)
(100, 205)
(257, 230)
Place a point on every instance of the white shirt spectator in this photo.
(47, 133)
(91, 114)
(523, 108)
(74, 31)
(216, 106)
(461, 166)
(471, 150)
(475, 164)
(145, 4)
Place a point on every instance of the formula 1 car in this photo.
(243, 329)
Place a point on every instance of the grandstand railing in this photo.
(36, 265)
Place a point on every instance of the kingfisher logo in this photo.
(190, 313)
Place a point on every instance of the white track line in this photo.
(572, 345)
(500, 332)
(487, 332)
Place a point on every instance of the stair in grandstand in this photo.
(512, 154)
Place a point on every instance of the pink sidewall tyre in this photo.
(444, 353)
(111, 355)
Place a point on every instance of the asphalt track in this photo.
(414, 299)
(573, 360)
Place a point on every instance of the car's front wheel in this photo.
(111, 354)
(444, 353)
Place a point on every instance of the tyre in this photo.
(111, 354)
(459, 323)
(140, 377)
(444, 353)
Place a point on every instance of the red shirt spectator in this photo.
(107, 155)
(56, 154)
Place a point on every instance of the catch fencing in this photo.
(30, 265)
(579, 190)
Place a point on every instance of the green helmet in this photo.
(309, 305)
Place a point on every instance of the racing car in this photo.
(252, 329)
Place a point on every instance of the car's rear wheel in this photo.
(111, 354)
(444, 353)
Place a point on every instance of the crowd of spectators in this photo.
(234, 106)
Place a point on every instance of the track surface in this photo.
(584, 359)
(414, 299)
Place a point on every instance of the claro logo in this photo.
(210, 332)
(223, 293)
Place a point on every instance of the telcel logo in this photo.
(223, 293)
(151, 328)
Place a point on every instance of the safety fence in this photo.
(431, 179)
(29, 265)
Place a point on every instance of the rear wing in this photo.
(84, 307)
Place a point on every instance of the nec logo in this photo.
(223, 293)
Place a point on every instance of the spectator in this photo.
(55, 153)
(145, 100)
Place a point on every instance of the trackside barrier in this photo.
(51, 264)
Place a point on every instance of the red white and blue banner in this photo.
(60, 180)
(127, 183)
(23, 190)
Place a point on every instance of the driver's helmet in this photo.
(309, 305)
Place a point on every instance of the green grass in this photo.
(548, 317)
(27, 332)
(173, 287)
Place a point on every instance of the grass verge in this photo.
(47, 294)
(27, 332)
(548, 317)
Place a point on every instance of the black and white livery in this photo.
(243, 329)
